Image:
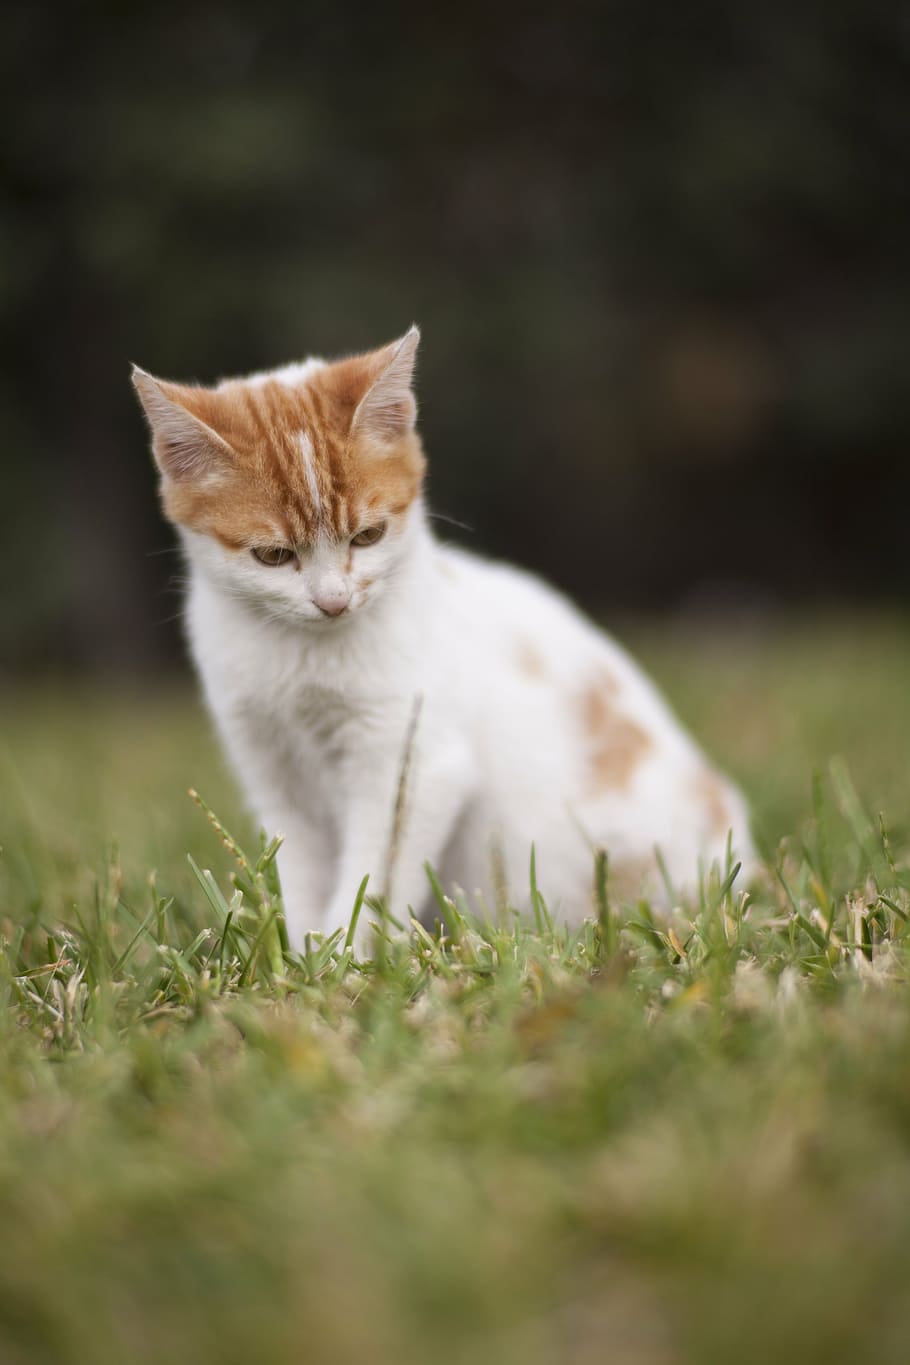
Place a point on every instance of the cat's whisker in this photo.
(451, 521)
(169, 620)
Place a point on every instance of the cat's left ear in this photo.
(186, 448)
(388, 409)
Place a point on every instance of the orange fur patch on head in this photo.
(287, 461)
(710, 792)
(615, 743)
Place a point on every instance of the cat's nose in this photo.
(332, 601)
(332, 608)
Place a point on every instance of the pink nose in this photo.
(332, 604)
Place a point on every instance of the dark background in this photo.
(658, 254)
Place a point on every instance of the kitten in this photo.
(321, 608)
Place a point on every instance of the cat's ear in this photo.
(185, 447)
(388, 409)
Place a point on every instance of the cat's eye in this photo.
(273, 555)
(369, 535)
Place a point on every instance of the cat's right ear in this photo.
(186, 449)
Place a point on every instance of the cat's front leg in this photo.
(279, 799)
(391, 835)
(305, 872)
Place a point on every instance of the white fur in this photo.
(314, 713)
(309, 470)
(289, 375)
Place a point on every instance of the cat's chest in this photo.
(317, 722)
(330, 727)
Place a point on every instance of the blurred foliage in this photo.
(663, 254)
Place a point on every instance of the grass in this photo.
(651, 1143)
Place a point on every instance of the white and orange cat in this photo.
(321, 608)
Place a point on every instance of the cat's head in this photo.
(294, 488)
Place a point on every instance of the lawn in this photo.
(647, 1143)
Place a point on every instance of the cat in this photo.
(340, 646)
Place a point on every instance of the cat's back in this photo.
(500, 600)
(534, 634)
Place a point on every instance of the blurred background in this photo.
(659, 260)
(659, 255)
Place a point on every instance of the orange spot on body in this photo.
(710, 792)
(615, 744)
(529, 659)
